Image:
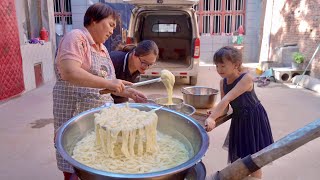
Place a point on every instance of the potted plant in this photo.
(298, 60)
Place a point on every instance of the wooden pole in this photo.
(238, 170)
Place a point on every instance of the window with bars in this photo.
(62, 16)
(218, 17)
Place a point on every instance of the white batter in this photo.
(168, 80)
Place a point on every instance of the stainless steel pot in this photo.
(176, 124)
(178, 105)
(199, 97)
(177, 102)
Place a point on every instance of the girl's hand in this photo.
(209, 123)
(137, 96)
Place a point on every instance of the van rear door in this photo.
(172, 25)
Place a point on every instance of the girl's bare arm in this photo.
(245, 84)
(222, 95)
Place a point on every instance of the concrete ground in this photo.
(26, 133)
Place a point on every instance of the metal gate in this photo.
(62, 18)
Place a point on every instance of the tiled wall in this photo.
(79, 8)
(210, 44)
(36, 53)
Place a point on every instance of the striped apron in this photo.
(70, 100)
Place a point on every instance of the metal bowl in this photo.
(177, 102)
(176, 124)
(186, 109)
(199, 97)
(180, 107)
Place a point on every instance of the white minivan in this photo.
(172, 24)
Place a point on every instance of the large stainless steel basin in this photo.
(180, 126)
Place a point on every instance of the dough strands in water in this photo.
(134, 130)
(168, 80)
(171, 153)
(125, 140)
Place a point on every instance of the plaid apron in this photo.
(70, 100)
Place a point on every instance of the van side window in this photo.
(161, 28)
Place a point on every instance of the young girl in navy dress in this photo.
(250, 129)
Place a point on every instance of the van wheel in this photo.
(193, 80)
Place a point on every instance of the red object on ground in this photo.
(11, 73)
(44, 34)
(70, 176)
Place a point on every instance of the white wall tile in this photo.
(90, 2)
(206, 40)
(77, 17)
(206, 56)
(206, 47)
(77, 24)
(79, 9)
(37, 53)
(78, 2)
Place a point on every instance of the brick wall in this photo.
(296, 21)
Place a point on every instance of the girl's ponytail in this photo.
(124, 47)
(128, 47)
